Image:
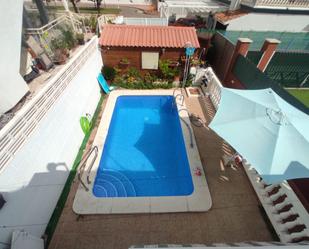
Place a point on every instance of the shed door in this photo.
(150, 60)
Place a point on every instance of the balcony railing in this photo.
(281, 4)
(49, 31)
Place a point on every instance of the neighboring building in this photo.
(244, 20)
(263, 15)
(180, 9)
(293, 5)
(143, 46)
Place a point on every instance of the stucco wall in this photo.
(12, 85)
(34, 179)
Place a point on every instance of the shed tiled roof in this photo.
(148, 36)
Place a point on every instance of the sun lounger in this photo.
(103, 83)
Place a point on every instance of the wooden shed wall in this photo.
(111, 56)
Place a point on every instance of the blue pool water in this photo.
(144, 152)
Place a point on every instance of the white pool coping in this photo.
(199, 201)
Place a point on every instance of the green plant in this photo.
(125, 61)
(80, 37)
(133, 72)
(108, 72)
(69, 38)
(93, 23)
(150, 78)
(117, 70)
(58, 43)
(189, 80)
(166, 71)
(87, 22)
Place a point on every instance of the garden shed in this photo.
(142, 46)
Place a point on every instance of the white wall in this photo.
(270, 22)
(127, 2)
(12, 85)
(34, 179)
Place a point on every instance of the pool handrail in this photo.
(188, 126)
(91, 164)
(178, 95)
(182, 98)
(82, 165)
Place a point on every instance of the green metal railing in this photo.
(252, 78)
(298, 41)
(290, 69)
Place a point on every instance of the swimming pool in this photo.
(144, 152)
(146, 162)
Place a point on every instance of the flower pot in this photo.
(123, 65)
(60, 56)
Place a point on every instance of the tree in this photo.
(73, 2)
(42, 11)
(97, 4)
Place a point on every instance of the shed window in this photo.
(150, 60)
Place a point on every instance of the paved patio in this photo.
(234, 217)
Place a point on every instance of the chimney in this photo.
(268, 49)
(241, 48)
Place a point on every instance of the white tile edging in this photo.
(200, 200)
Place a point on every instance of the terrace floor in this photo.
(234, 217)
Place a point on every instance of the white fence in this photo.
(214, 87)
(16, 132)
(39, 144)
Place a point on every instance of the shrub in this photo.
(125, 61)
(93, 23)
(69, 38)
(58, 43)
(166, 71)
(108, 72)
(132, 79)
(133, 72)
(150, 78)
(80, 37)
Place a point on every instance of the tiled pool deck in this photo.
(234, 217)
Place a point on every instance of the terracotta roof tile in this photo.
(148, 36)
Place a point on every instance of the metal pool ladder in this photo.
(179, 95)
(83, 163)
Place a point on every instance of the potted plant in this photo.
(195, 62)
(124, 63)
(80, 37)
(69, 38)
(109, 73)
(176, 74)
(93, 24)
(60, 50)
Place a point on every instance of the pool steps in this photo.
(114, 183)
